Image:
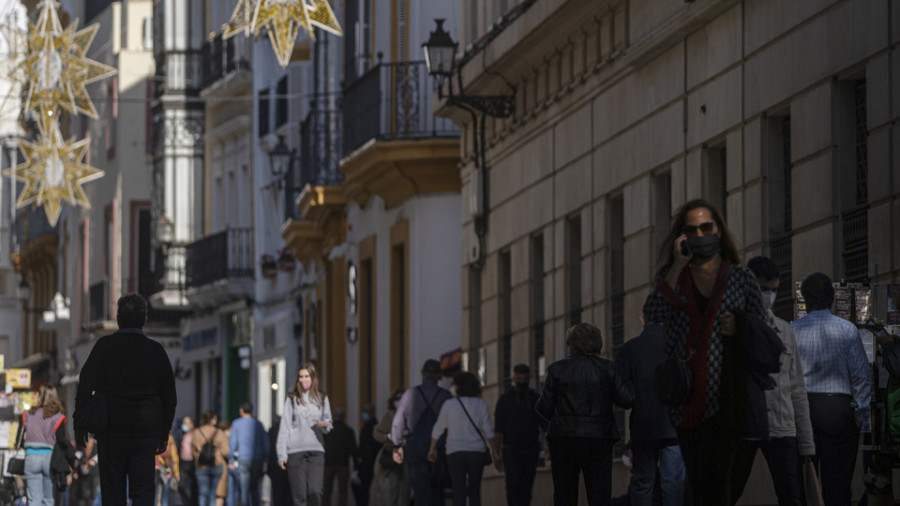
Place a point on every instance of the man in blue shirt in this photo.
(248, 449)
(838, 383)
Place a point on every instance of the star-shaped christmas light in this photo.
(55, 64)
(283, 20)
(53, 171)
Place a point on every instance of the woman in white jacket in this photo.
(306, 419)
(470, 437)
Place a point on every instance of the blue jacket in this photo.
(248, 439)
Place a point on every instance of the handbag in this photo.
(487, 454)
(16, 464)
(386, 458)
(811, 485)
(673, 381)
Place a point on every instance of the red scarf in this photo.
(702, 324)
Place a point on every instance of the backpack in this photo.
(207, 455)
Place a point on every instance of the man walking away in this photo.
(368, 449)
(340, 446)
(654, 443)
(787, 405)
(518, 429)
(248, 449)
(133, 374)
(838, 383)
(422, 402)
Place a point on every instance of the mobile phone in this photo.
(685, 249)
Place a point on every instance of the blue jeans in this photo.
(38, 485)
(163, 485)
(207, 481)
(671, 474)
(250, 476)
(234, 487)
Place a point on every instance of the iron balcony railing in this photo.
(221, 57)
(31, 224)
(99, 298)
(320, 152)
(178, 72)
(221, 256)
(392, 101)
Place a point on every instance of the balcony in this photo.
(220, 58)
(178, 72)
(219, 267)
(320, 153)
(392, 101)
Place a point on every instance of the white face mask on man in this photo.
(768, 298)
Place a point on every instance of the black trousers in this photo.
(305, 472)
(587, 456)
(837, 442)
(466, 469)
(187, 488)
(784, 464)
(520, 464)
(127, 462)
(708, 460)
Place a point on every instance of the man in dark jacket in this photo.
(340, 447)
(577, 403)
(653, 438)
(133, 374)
(518, 426)
(368, 450)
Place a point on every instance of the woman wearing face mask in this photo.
(787, 406)
(306, 419)
(699, 283)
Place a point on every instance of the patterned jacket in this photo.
(741, 291)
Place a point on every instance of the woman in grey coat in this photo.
(306, 419)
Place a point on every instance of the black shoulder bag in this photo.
(487, 453)
(16, 464)
(673, 381)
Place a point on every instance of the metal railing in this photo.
(392, 101)
(781, 252)
(99, 298)
(222, 57)
(856, 245)
(178, 72)
(31, 224)
(223, 255)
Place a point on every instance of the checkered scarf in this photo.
(741, 291)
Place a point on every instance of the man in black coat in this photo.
(654, 443)
(519, 428)
(368, 449)
(132, 374)
(340, 448)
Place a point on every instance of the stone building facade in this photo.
(782, 113)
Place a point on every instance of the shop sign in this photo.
(18, 378)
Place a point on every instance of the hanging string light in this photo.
(283, 20)
(56, 71)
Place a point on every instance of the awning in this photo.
(30, 361)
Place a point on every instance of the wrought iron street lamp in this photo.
(165, 230)
(280, 160)
(23, 291)
(440, 60)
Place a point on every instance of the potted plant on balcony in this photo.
(269, 266)
(286, 260)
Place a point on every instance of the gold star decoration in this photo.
(55, 64)
(283, 20)
(53, 171)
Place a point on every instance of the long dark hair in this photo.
(727, 249)
(48, 400)
(315, 394)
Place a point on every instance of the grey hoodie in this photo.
(298, 431)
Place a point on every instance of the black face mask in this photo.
(521, 386)
(704, 247)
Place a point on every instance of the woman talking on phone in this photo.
(699, 285)
(306, 419)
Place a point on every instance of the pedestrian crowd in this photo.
(713, 379)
